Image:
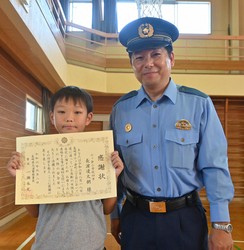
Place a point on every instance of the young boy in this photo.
(77, 225)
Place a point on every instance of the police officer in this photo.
(173, 145)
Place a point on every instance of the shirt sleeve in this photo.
(213, 163)
(120, 199)
(120, 187)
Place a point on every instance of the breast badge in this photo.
(128, 127)
(183, 124)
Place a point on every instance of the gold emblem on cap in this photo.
(128, 127)
(183, 124)
(145, 30)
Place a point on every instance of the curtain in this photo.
(110, 16)
(65, 7)
(45, 114)
(96, 18)
(97, 14)
(110, 22)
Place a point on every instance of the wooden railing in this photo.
(193, 53)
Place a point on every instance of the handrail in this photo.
(209, 42)
(210, 37)
(92, 31)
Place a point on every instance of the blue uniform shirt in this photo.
(172, 146)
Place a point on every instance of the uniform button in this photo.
(154, 125)
(156, 167)
(158, 189)
(155, 106)
(154, 146)
(127, 141)
(182, 139)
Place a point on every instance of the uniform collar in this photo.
(142, 96)
(170, 92)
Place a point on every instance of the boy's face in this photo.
(68, 117)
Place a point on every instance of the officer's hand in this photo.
(220, 240)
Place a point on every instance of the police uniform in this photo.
(171, 148)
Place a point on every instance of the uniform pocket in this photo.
(129, 139)
(131, 147)
(181, 147)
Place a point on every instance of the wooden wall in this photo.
(231, 111)
(15, 83)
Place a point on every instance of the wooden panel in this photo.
(8, 180)
(180, 64)
(10, 134)
(85, 57)
(15, 83)
(95, 126)
(219, 104)
(3, 170)
(15, 77)
(11, 110)
(235, 118)
(8, 189)
(20, 45)
(8, 143)
(9, 99)
(7, 199)
(8, 209)
(103, 104)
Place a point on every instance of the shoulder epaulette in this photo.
(127, 96)
(192, 91)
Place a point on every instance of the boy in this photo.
(77, 225)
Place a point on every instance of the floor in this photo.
(19, 234)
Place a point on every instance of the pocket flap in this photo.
(182, 137)
(128, 139)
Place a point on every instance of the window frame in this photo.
(38, 116)
(208, 30)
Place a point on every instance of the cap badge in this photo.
(128, 127)
(183, 124)
(145, 30)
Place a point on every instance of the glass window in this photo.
(193, 18)
(81, 13)
(189, 17)
(33, 116)
(132, 14)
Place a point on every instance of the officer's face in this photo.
(152, 68)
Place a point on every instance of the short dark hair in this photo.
(74, 93)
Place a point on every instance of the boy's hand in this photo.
(14, 163)
(117, 163)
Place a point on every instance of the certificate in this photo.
(63, 168)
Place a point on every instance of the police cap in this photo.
(148, 33)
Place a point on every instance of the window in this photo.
(33, 116)
(81, 13)
(132, 14)
(189, 17)
(193, 18)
